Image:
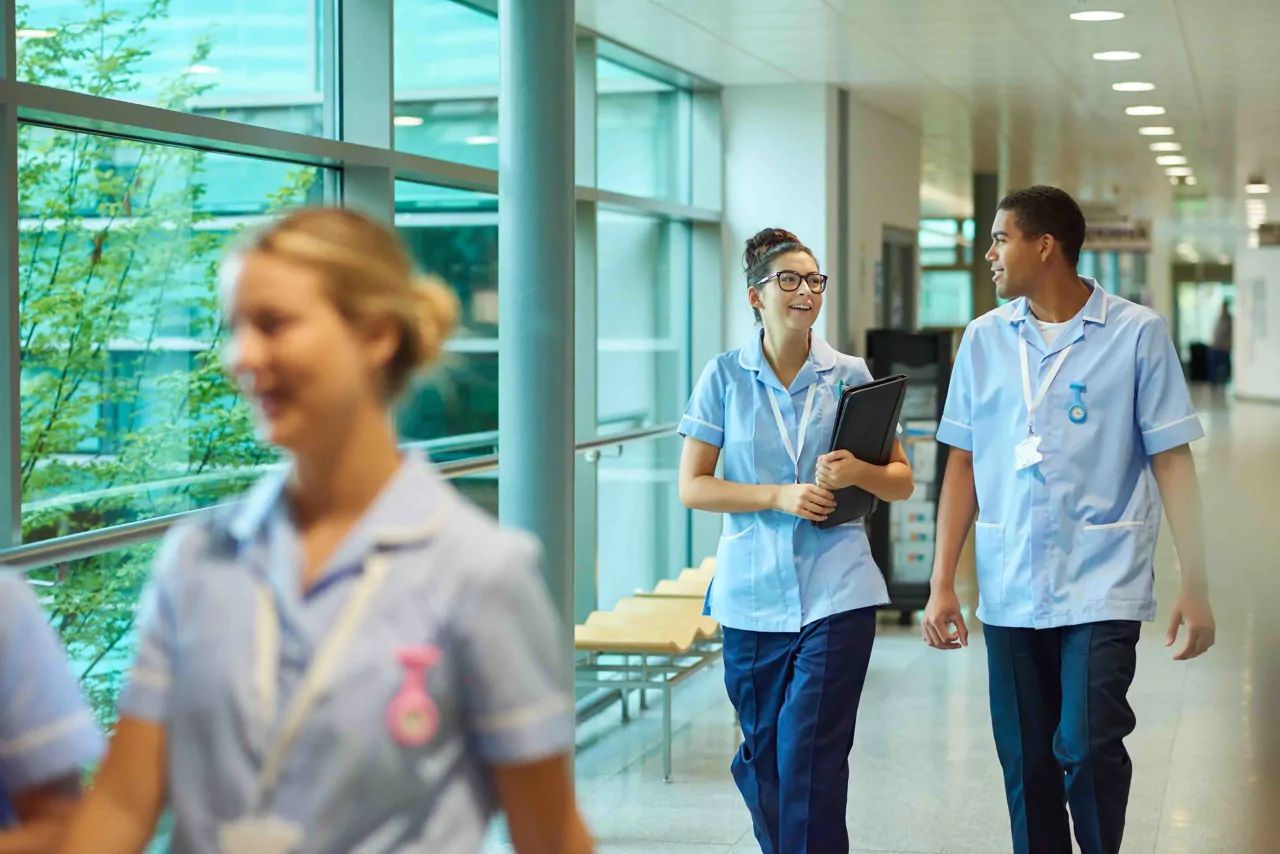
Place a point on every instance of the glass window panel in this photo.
(643, 527)
(92, 603)
(642, 140)
(946, 298)
(126, 411)
(642, 319)
(446, 81)
(255, 61)
(939, 242)
(453, 234)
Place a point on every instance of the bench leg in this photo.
(666, 733)
(644, 675)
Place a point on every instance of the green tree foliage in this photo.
(127, 412)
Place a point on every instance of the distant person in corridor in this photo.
(1220, 350)
(1070, 424)
(798, 604)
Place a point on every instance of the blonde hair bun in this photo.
(437, 308)
(369, 276)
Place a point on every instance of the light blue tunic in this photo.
(776, 572)
(46, 731)
(469, 588)
(1072, 539)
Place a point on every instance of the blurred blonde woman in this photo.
(353, 658)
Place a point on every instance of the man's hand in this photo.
(940, 615)
(1192, 609)
(838, 470)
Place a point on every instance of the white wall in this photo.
(885, 173)
(1256, 348)
(779, 146)
(782, 149)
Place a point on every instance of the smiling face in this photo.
(787, 310)
(1017, 261)
(306, 369)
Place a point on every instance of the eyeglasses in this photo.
(789, 280)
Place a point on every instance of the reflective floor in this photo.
(924, 770)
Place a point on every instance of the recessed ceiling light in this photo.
(1171, 160)
(1178, 171)
(407, 121)
(1191, 180)
(1166, 146)
(1099, 15)
(1173, 181)
(1145, 111)
(1117, 55)
(204, 69)
(482, 140)
(1156, 131)
(1258, 188)
(36, 34)
(1134, 86)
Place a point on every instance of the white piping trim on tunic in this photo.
(1170, 424)
(956, 424)
(703, 423)
(40, 736)
(1114, 525)
(150, 678)
(522, 717)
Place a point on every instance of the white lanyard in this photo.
(793, 452)
(1033, 405)
(323, 665)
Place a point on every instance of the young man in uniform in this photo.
(1070, 424)
(47, 734)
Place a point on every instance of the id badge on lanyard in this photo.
(793, 451)
(259, 832)
(1027, 452)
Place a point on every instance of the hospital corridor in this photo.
(639, 427)
(925, 778)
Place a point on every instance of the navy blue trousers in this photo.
(797, 699)
(1060, 713)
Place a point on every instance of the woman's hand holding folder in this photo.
(839, 469)
(804, 500)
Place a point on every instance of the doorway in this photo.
(897, 308)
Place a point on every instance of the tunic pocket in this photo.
(1113, 562)
(733, 589)
(989, 545)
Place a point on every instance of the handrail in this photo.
(89, 543)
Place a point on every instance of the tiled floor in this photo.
(925, 776)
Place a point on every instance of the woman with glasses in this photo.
(797, 604)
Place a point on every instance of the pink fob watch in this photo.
(412, 717)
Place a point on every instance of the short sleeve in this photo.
(515, 670)
(704, 416)
(47, 732)
(1166, 416)
(146, 692)
(956, 427)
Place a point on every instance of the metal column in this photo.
(10, 347)
(535, 286)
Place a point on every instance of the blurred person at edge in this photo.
(353, 657)
(47, 734)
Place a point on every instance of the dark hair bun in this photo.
(764, 243)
